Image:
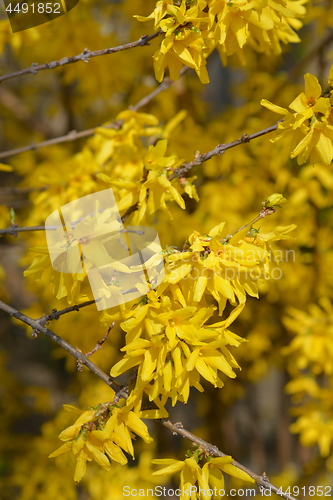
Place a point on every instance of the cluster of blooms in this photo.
(310, 124)
(115, 158)
(231, 187)
(310, 362)
(167, 335)
(207, 478)
(168, 338)
(101, 434)
(193, 28)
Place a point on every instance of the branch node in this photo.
(179, 425)
(143, 40)
(80, 365)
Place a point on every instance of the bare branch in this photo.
(199, 159)
(165, 84)
(13, 230)
(21, 190)
(262, 481)
(56, 314)
(37, 326)
(219, 150)
(100, 343)
(73, 135)
(123, 392)
(84, 56)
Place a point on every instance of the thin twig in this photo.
(199, 159)
(37, 326)
(219, 150)
(100, 343)
(165, 84)
(214, 451)
(56, 314)
(71, 136)
(264, 212)
(123, 392)
(116, 124)
(13, 229)
(84, 56)
(21, 190)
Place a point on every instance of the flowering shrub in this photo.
(251, 223)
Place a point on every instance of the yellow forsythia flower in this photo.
(209, 478)
(193, 29)
(100, 434)
(310, 124)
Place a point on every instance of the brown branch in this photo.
(37, 326)
(100, 343)
(13, 230)
(219, 150)
(56, 314)
(71, 136)
(98, 346)
(214, 451)
(199, 159)
(84, 56)
(21, 190)
(264, 212)
(123, 392)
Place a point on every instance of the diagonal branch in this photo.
(56, 314)
(199, 159)
(262, 481)
(73, 135)
(219, 150)
(84, 56)
(14, 229)
(37, 326)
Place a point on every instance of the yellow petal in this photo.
(81, 466)
(273, 107)
(175, 466)
(115, 453)
(6, 168)
(312, 86)
(125, 364)
(63, 449)
(235, 472)
(98, 456)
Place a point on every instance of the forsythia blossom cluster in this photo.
(101, 434)
(167, 334)
(310, 363)
(115, 158)
(310, 123)
(193, 28)
(209, 476)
